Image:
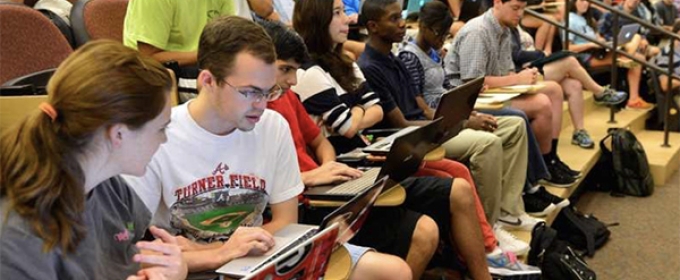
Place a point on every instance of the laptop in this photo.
(455, 106)
(626, 34)
(348, 217)
(308, 260)
(402, 161)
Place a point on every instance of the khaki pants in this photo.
(498, 163)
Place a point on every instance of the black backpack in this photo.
(584, 232)
(623, 169)
(556, 259)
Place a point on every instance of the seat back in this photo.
(30, 42)
(98, 19)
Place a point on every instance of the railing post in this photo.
(615, 68)
(565, 42)
(669, 94)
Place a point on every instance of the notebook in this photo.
(626, 34)
(402, 161)
(348, 217)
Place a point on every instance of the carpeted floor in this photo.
(646, 244)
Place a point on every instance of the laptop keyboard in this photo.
(309, 234)
(357, 185)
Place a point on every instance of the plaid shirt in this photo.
(481, 48)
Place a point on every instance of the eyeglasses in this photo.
(257, 95)
(440, 34)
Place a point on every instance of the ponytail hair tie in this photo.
(49, 110)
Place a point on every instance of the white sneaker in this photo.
(523, 222)
(509, 243)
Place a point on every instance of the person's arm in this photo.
(417, 73)
(454, 7)
(323, 149)
(427, 111)
(283, 213)
(372, 116)
(244, 240)
(582, 47)
(182, 58)
(329, 173)
(525, 77)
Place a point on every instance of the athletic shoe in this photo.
(582, 139)
(506, 266)
(523, 222)
(536, 205)
(547, 196)
(558, 176)
(508, 243)
(638, 104)
(610, 97)
(567, 169)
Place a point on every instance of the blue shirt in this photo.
(388, 77)
(352, 6)
(579, 23)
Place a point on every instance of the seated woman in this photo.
(66, 214)
(592, 55)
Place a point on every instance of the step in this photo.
(663, 161)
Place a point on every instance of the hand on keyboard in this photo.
(329, 173)
(247, 240)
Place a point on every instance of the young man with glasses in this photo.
(227, 157)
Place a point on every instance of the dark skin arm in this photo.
(397, 120)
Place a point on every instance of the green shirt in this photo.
(171, 25)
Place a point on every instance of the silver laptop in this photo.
(349, 217)
(626, 34)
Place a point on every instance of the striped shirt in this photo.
(328, 103)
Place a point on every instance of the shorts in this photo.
(584, 59)
(431, 196)
(356, 252)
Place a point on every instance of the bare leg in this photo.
(544, 32)
(377, 266)
(537, 108)
(466, 233)
(554, 91)
(423, 245)
(634, 74)
(570, 67)
(574, 93)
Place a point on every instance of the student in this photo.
(483, 48)
(592, 55)
(633, 8)
(170, 31)
(666, 13)
(66, 214)
(291, 52)
(226, 152)
(332, 89)
(486, 141)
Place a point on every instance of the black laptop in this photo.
(403, 160)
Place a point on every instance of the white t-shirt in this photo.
(205, 185)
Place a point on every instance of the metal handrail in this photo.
(614, 48)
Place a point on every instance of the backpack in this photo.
(623, 169)
(584, 232)
(556, 259)
(62, 25)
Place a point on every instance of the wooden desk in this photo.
(492, 106)
(339, 265)
(392, 197)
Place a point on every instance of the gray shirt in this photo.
(429, 75)
(115, 219)
(481, 48)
